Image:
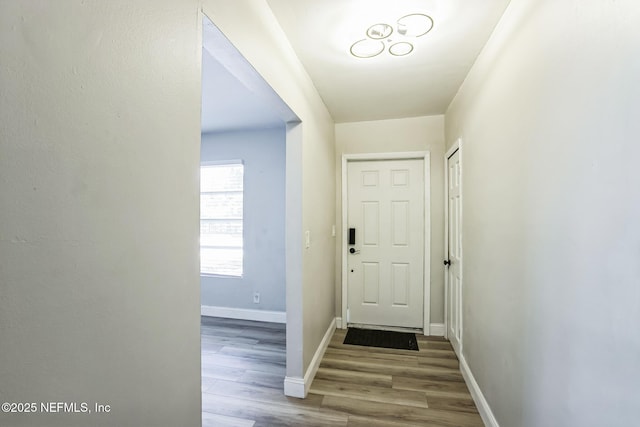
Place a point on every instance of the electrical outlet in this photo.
(256, 297)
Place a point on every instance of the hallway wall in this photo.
(99, 155)
(551, 239)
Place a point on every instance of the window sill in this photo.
(220, 276)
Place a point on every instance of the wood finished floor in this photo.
(243, 369)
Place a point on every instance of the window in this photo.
(221, 205)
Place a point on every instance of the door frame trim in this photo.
(408, 155)
(456, 146)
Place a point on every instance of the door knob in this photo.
(447, 262)
(352, 250)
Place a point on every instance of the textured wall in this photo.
(99, 154)
(548, 119)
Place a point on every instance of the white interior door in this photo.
(386, 262)
(454, 249)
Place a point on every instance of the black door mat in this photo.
(384, 339)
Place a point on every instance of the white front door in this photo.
(454, 248)
(386, 262)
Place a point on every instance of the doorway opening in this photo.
(386, 250)
(244, 121)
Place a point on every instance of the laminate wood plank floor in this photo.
(243, 370)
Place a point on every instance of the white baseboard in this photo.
(294, 387)
(338, 322)
(436, 329)
(483, 406)
(299, 387)
(244, 314)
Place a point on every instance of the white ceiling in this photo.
(321, 32)
(421, 83)
(234, 95)
(228, 105)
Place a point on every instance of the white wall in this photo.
(385, 136)
(263, 154)
(99, 154)
(254, 31)
(551, 238)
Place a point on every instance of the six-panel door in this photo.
(386, 270)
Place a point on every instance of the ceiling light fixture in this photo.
(379, 35)
(415, 25)
(400, 49)
(379, 31)
(367, 48)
